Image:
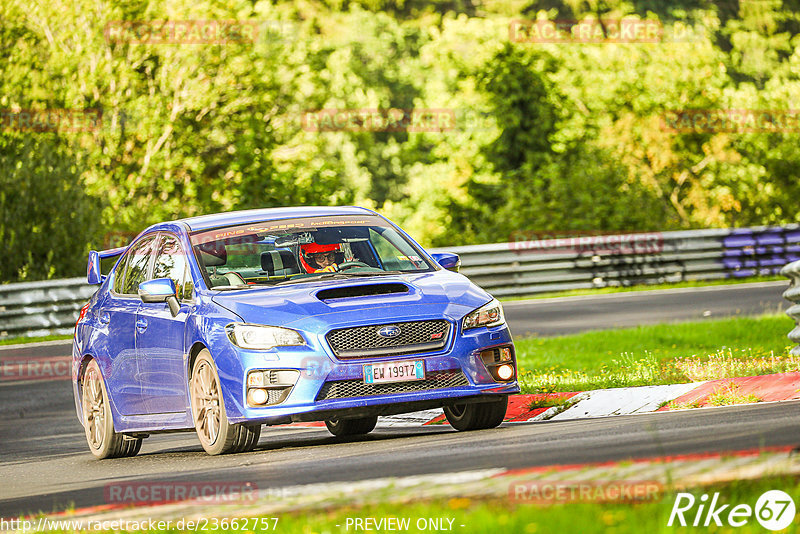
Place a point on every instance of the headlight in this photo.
(490, 314)
(258, 337)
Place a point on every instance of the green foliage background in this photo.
(548, 136)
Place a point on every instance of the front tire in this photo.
(476, 416)
(98, 421)
(351, 427)
(216, 435)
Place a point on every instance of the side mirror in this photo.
(93, 275)
(160, 290)
(449, 261)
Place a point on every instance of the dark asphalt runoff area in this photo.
(570, 315)
(45, 464)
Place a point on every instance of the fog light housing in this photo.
(499, 361)
(269, 387)
(257, 396)
(505, 372)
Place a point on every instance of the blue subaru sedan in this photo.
(226, 323)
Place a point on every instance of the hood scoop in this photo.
(366, 290)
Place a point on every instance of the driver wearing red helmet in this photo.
(317, 258)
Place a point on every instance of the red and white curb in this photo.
(768, 388)
(623, 401)
(633, 400)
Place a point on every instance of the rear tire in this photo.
(351, 427)
(98, 421)
(476, 416)
(216, 435)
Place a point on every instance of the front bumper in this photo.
(469, 381)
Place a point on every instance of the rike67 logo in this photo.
(774, 510)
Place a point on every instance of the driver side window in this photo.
(135, 267)
(171, 263)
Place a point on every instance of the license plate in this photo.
(379, 373)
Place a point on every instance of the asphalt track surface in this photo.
(569, 315)
(45, 464)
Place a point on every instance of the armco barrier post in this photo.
(792, 272)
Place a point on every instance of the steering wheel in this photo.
(355, 263)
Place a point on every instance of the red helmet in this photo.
(315, 248)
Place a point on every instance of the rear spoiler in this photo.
(93, 274)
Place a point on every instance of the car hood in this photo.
(301, 306)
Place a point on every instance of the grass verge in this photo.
(36, 339)
(728, 394)
(657, 354)
(470, 515)
(492, 516)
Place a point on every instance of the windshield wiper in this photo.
(323, 276)
(230, 288)
(370, 273)
(338, 275)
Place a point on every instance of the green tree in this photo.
(46, 217)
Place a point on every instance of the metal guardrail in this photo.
(42, 308)
(792, 272)
(539, 266)
(523, 267)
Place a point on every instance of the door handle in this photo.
(105, 318)
(141, 325)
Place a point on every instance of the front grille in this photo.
(364, 341)
(345, 389)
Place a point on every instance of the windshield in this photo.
(303, 249)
